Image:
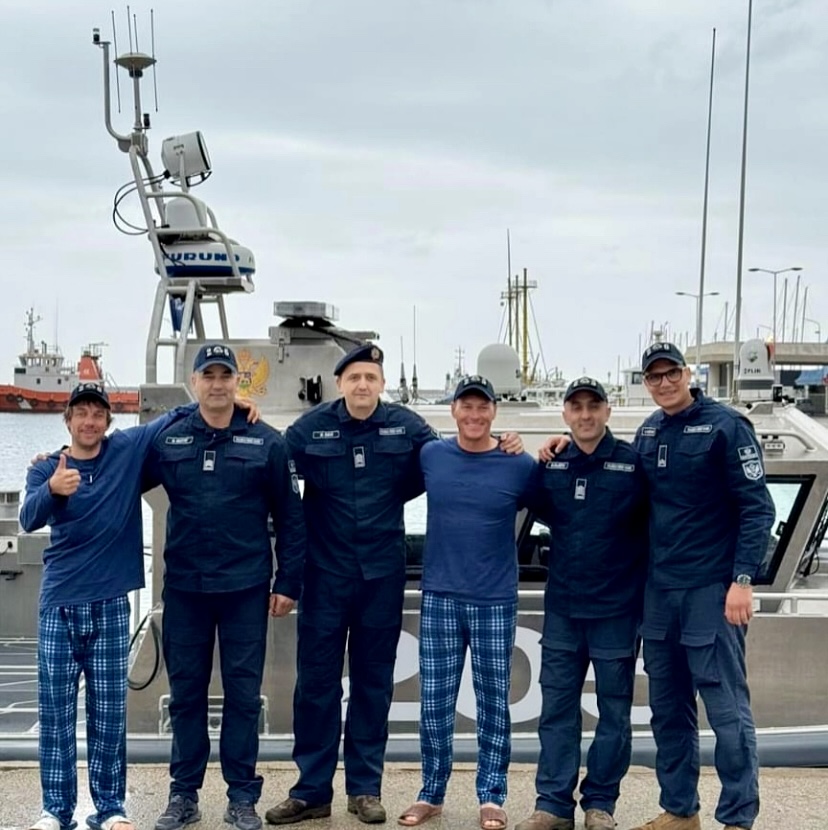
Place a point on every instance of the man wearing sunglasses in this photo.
(710, 519)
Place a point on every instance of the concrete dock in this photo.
(792, 799)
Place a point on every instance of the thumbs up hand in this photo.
(65, 480)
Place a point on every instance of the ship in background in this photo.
(43, 381)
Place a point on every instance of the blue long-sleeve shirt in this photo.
(473, 497)
(222, 485)
(96, 547)
(711, 512)
(358, 475)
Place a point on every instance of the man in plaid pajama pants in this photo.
(90, 496)
(470, 580)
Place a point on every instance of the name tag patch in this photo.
(698, 428)
(747, 453)
(557, 465)
(178, 440)
(325, 434)
(648, 432)
(618, 467)
(391, 430)
(247, 439)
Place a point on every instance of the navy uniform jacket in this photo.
(222, 485)
(358, 474)
(711, 512)
(596, 509)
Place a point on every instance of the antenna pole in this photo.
(700, 308)
(740, 247)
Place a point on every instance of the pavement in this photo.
(793, 799)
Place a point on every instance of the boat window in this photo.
(814, 554)
(789, 494)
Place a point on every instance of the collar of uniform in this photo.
(378, 416)
(603, 450)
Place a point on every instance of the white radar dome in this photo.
(500, 363)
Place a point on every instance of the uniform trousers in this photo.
(190, 624)
(91, 638)
(448, 628)
(568, 646)
(690, 648)
(363, 616)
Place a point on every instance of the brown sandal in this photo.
(419, 813)
(493, 818)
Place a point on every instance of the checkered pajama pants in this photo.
(92, 638)
(447, 628)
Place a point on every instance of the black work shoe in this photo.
(367, 808)
(181, 810)
(292, 810)
(242, 815)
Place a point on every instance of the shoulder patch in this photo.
(391, 430)
(753, 469)
(648, 432)
(177, 440)
(747, 453)
(619, 467)
(698, 428)
(248, 439)
(557, 465)
(325, 434)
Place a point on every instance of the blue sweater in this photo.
(96, 551)
(473, 498)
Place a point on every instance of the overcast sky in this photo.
(372, 154)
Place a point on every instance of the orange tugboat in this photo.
(42, 382)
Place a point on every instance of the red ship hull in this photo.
(17, 399)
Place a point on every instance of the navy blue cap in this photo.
(661, 351)
(475, 383)
(215, 354)
(90, 390)
(367, 353)
(586, 384)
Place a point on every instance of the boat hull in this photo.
(18, 399)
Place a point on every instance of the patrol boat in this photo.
(290, 370)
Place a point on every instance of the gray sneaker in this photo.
(242, 815)
(181, 810)
(367, 808)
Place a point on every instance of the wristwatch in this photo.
(744, 581)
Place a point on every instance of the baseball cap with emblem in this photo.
(215, 354)
(585, 384)
(89, 390)
(475, 383)
(367, 353)
(661, 351)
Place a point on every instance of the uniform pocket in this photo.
(325, 465)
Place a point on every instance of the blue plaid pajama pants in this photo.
(91, 638)
(447, 628)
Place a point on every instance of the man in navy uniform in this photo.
(224, 478)
(593, 497)
(711, 515)
(360, 461)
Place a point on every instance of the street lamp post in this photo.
(697, 298)
(775, 275)
(818, 328)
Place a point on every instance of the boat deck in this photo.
(790, 798)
